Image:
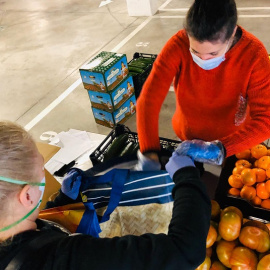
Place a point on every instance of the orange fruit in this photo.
(248, 177)
(264, 263)
(235, 181)
(265, 204)
(264, 162)
(256, 201)
(224, 250)
(238, 170)
(243, 162)
(255, 235)
(217, 265)
(232, 209)
(258, 151)
(234, 191)
(205, 265)
(268, 226)
(267, 185)
(262, 192)
(255, 164)
(248, 193)
(244, 154)
(267, 171)
(215, 209)
(243, 258)
(245, 220)
(229, 226)
(260, 174)
(209, 252)
(268, 152)
(211, 236)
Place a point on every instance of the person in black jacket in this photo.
(29, 243)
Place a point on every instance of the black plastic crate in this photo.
(225, 199)
(139, 79)
(167, 145)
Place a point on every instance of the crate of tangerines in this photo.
(234, 242)
(245, 182)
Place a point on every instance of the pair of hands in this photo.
(183, 156)
(187, 152)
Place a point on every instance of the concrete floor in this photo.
(44, 43)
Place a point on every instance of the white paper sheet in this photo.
(75, 145)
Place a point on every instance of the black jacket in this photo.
(183, 248)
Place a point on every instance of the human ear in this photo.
(234, 31)
(26, 196)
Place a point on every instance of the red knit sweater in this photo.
(210, 104)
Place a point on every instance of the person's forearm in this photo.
(191, 214)
(148, 109)
(153, 95)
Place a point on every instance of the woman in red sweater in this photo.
(221, 78)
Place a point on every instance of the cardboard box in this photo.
(115, 99)
(142, 7)
(110, 119)
(52, 185)
(104, 72)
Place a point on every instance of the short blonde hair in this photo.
(17, 153)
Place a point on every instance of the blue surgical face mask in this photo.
(42, 189)
(209, 63)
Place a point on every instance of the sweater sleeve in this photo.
(258, 97)
(183, 248)
(154, 92)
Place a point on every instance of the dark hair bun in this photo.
(211, 19)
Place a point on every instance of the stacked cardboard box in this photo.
(110, 88)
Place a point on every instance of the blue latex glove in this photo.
(201, 151)
(177, 162)
(146, 164)
(71, 184)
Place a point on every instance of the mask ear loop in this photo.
(228, 47)
(20, 220)
(19, 182)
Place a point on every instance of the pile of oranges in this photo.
(250, 177)
(234, 242)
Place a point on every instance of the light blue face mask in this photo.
(209, 63)
(41, 186)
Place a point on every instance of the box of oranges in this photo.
(235, 242)
(245, 182)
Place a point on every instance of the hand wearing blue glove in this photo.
(71, 184)
(177, 162)
(146, 164)
(201, 151)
